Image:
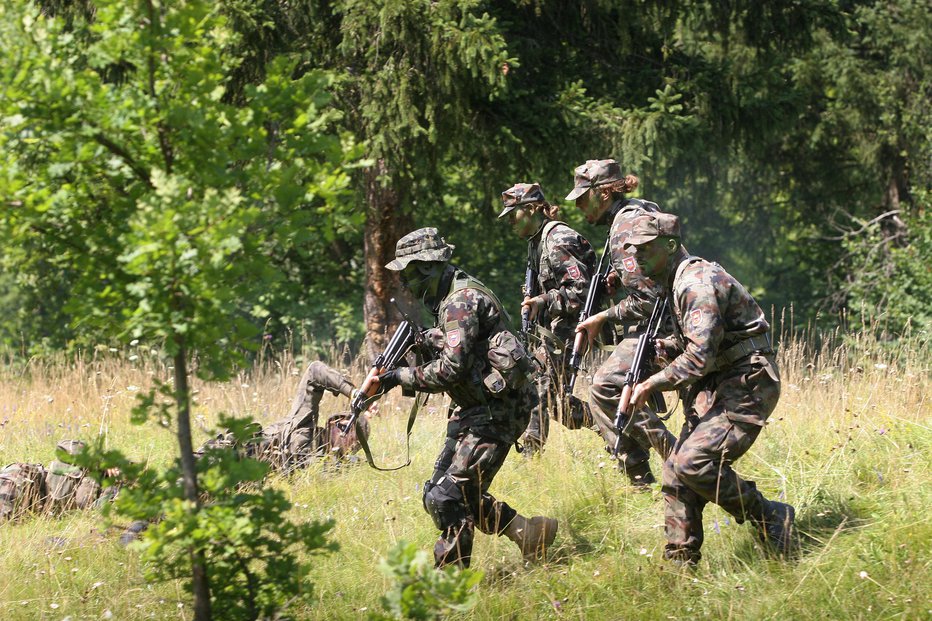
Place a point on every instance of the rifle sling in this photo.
(419, 402)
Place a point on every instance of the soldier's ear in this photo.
(673, 244)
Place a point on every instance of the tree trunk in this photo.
(385, 224)
(897, 193)
(201, 587)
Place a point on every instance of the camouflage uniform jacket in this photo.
(468, 316)
(565, 260)
(639, 291)
(712, 312)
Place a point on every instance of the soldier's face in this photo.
(591, 204)
(523, 222)
(418, 277)
(652, 257)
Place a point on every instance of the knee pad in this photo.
(443, 501)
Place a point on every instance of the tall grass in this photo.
(849, 446)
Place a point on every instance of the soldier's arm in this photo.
(636, 305)
(566, 254)
(459, 322)
(703, 328)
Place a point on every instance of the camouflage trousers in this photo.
(724, 416)
(457, 495)
(570, 411)
(643, 429)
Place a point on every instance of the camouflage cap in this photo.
(521, 194)
(420, 245)
(651, 226)
(592, 174)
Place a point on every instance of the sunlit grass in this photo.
(848, 446)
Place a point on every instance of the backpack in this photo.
(22, 490)
(64, 481)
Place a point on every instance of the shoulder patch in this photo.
(573, 271)
(454, 337)
(695, 317)
(630, 264)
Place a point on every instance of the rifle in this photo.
(593, 298)
(406, 335)
(530, 289)
(638, 371)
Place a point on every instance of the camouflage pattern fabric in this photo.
(297, 437)
(593, 174)
(565, 261)
(644, 430)
(726, 406)
(293, 441)
(521, 194)
(489, 411)
(63, 481)
(568, 410)
(421, 245)
(22, 490)
(467, 465)
(712, 311)
(638, 290)
(469, 317)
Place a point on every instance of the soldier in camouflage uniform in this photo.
(563, 261)
(730, 384)
(59, 487)
(600, 194)
(287, 444)
(484, 369)
(296, 439)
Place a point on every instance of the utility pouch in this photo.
(509, 363)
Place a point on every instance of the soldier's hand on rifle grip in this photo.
(640, 395)
(534, 306)
(592, 327)
(388, 380)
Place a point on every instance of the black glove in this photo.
(389, 379)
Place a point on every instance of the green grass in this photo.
(849, 446)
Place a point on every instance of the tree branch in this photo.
(124, 155)
(863, 228)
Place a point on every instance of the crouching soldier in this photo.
(485, 370)
(728, 377)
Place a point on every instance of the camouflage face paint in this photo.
(589, 203)
(652, 257)
(524, 222)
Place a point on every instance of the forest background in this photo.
(216, 186)
(793, 139)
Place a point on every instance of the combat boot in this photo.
(777, 528)
(533, 535)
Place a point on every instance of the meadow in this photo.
(849, 446)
